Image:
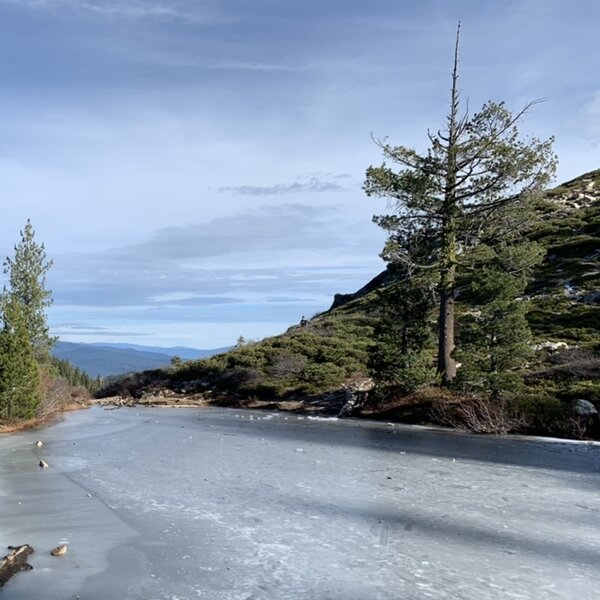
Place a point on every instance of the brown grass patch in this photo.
(47, 418)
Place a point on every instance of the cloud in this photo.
(133, 9)
(125, 293)
(266, 229)
(177, 299)
(84, 327)
(66, 329)
(310, 184)
(291, 251)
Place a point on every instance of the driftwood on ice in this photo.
(15, 561)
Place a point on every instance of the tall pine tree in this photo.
(474, 167)
(27, 285)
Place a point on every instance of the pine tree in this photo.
(399, 359)
(494, 337)
(19, 372)
(71, 374)
(474, 167)
(27, 284)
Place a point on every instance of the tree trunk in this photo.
(15, 561)
(446, 365)
(404, 338)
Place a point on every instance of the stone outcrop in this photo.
(357, 392)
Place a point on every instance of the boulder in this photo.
(356, 391)
(59, 550)
(584, 408)
(551, 346)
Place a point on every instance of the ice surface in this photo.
(221, 504)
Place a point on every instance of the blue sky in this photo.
(194, 167)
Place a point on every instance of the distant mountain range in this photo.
(103, 360)
(181, 351)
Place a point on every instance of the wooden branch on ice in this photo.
(15, 561)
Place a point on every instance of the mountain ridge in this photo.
(184, 352)
(105, 360)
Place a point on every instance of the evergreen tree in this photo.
(19, 372)
(494, 338)
(27, 284)
(72, 374)
(474, 167)
(399, 358)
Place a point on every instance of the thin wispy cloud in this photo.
(83, 327)
(252, 66)
(311, 184)
(131, 9)
(65, 330)
(178, 299)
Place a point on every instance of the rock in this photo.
(39, 443)
(59, 550)
(356, 391)
(43, 464)
(584, 408)
(551, 346)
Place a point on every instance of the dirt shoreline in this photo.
(45, 420)
(160, 401)
(300, 406)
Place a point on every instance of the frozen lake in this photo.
(224, 504)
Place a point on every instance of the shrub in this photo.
(285, 364)
(316, 378)
(481, 415)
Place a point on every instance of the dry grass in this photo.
(12, 427)
(419, 402)
(46, 418)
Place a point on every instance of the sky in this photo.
(194, 167)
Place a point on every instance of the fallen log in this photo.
(15, 561)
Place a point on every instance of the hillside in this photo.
(314, 362)
(105, 361)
